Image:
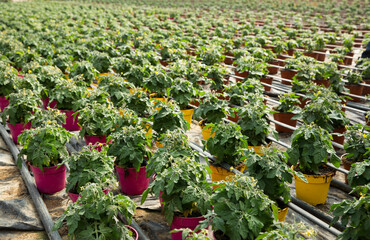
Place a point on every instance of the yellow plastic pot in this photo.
(259, 149)
(133, 90)
(220, 173)
(282, 214)
(316, 190)
(164, 100)
(206, 132)
(148, 129)
(188, 114)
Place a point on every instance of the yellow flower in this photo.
(309, 233)
(29, 71)
(49, 121)
(365, 135)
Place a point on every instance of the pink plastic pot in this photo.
(132, 182)
(51, 179)
(16, 130)
(20, 75)
(95, 139)
(71, 121)
(46, 103)
(184, 222)
(134, 231)
(3, 103)
(74, 196)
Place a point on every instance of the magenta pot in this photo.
(71, 121)
(16, 130)
(51, 179)
(74, 196)
(96, 139)
(133, 230)
(46, 102)
(132, 182)
(184, 222)
(4, 102)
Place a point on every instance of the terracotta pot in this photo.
(346, 165)
(290, 52)
(308, 54)
(326, 83)
(273, 70)
(366, 90)
(287, 74)
(355, 90)
(284, 118)
(241, 74)
(234, 118)
(267, 80)
(338, 139)
(322, 55)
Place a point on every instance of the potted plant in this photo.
(158, 82)
(211, 110)
(49, 77)
(101, 61)
(139, 102)
(45, 150)
(184, 191)
(98, 216)
(356, 145)
(254, 123)
(89, 166)
(97, 121)
(130, 148)
(353, 80)
(284, 112)
(8, 75)
(188, 234)
(116, 87)
(167, 118)
(273, 175)
(183, 92)
(234, 204)
(19, 113)
(225, 144)
(66, 93)
(359, 174)
(288, 231)
(84, 69)
(354, 214)
(308, 154)
(218, 74)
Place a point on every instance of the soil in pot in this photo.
(316, 190)
(284, 118)
(51, 179)
(132, 182)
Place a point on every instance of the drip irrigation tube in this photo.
(30, 184)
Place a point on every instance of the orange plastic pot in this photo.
(188, 114)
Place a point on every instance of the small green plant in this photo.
(158, 82)
(288, 231)
(84, 69)
(357, 143)
(183, 187)
(272, 173)
(188, 234)
(95, 215)
(212, 109)
(101, 61)
(44, 146)
(240, 209)
(8, 77)
(98, 119)
(140, 103)
(130, 147)
(116, 87)
(288, 103)
(167, 118)
(90, 166)
(359, 174)
(354, 214)
(353, 78)
(310, 148)
(226, 143)
(21, 106)
(254, 123)
(67, 93)
(183, 92)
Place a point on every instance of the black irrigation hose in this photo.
(30, 184)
